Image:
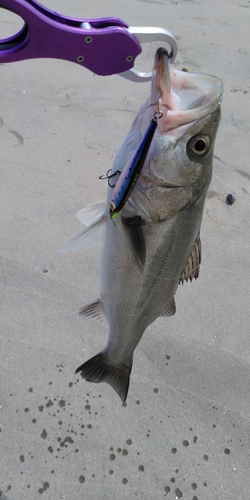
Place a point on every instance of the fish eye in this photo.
(199, 145)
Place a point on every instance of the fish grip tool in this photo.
(105, 46)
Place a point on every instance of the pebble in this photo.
(230, 199)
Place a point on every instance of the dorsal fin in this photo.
(134, 230)
(170, 309)
(192, 267)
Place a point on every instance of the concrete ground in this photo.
(185, 430)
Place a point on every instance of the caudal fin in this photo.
(101, 369)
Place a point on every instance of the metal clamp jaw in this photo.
(144, 35)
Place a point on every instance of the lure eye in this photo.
(199, 145)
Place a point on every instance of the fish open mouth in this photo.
(183, 97)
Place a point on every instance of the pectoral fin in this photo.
(170, 309)
(192, 267)
(93, 234)
(90, 214)
(94, 312)
(133, 227)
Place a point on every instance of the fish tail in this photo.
(101, 368)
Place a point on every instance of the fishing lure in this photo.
(131, 172)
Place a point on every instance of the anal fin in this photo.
(170, 309)
(94, 312)
(192, 266)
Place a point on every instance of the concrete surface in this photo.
(185, 431)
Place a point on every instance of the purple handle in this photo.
(104, 46)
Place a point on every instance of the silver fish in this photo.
(154, 242)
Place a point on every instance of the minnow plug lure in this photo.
(131, 172)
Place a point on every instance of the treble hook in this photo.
(109, 176)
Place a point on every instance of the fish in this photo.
(153, 245)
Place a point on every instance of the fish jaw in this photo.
(161, 82)
(161, 87)
(182, 97)
(199, 95)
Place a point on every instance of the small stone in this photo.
(230, 199)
